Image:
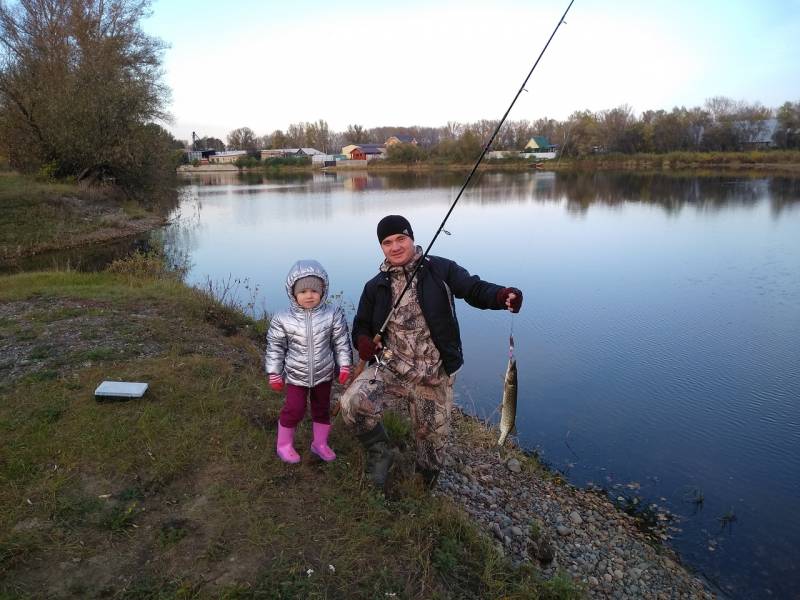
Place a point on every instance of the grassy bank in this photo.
(36, 216)
(766, 161)
(179, 494)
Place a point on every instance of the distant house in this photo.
(400, 139)
(539, 143)
(365, 151)
(229, 156)
(289, 152)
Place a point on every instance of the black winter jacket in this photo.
(439, 281)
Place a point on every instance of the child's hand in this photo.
(276, 382)
(344, 374)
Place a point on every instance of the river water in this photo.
(658, 345)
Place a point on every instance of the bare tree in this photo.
(296, 135)
(337, 140)
(545, 127)
(613, 125)
(452, 131)
(318, 135)
(355, 134)
(427, 137)
(242, 138)
(278, 139)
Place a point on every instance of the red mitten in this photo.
(514, 303)
(276, 382)
(366, 347)
(344, 374)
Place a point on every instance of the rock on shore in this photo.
(561, 528)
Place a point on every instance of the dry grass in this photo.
(36, 216)
(179, 494)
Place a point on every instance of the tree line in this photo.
(82, 97)
(721, 124)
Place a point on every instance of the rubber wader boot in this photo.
(379, 455)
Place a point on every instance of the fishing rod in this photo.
(379, 336)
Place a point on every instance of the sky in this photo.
(267, 64)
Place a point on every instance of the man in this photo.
(423, 347)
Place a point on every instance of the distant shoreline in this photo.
(767, 162)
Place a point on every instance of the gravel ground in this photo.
(562, 528)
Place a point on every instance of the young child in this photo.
(304, 344)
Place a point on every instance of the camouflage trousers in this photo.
(429, 406)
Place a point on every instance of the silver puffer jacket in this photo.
(304, 344)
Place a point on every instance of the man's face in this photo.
(398, 249)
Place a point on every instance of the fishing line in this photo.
(511, 339)
(380, 334)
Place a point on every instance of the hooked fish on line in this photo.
(508, 412)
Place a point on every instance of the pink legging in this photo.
(294, 408)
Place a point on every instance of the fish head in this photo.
(511, 372)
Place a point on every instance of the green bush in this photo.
(247, 162)
(288, 161)
(405, 154)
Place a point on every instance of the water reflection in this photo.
(579, 190)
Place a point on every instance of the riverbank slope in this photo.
(40, 216)
(180, 493)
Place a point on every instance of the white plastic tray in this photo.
(121, 389)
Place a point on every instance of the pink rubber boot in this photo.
(286, 451)
(320, 444)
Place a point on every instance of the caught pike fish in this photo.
(508, 412)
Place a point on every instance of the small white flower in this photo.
(310, 572)
(331, 568)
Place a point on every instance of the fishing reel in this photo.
(381, 361)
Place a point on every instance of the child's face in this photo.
(308, 298)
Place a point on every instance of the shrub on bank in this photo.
(685, 158)
(405, 154)
(247, 162)
(287, 161)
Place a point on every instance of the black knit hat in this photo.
(393, 224)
